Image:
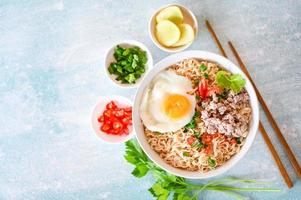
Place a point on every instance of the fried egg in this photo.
(166, 105)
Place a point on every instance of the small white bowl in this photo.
(98, 110)
(138, 126)
(188, 18)
(109, 58)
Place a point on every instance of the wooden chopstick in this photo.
(269, 115)
(219, 45)
(276, 157)
(261, 128)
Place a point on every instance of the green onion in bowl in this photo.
(127, 62)
(129, 65)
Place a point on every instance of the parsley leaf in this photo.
(137, 157)
(157, 190)
(183, 196)
(168, 185)
(140, 171)
(206, 76)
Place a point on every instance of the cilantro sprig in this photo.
(168, 185)
(234, 82)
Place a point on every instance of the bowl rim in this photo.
(180, 48)
(130, 42)
(226, 64)
(111, 139)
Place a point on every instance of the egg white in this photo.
(151, 113)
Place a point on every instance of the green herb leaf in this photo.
(134, 64)
(198, 144)
(130, 78)
(211, 162)
(126, 52)
(206, 76)
(223, 95)
(157, 190)
(129, 68)
(196, 81)
(197, 134)
(222, 79)
(182, 196)
(237, 82)
(192, 123)
(168, 184)
(136, 57)
(140, 171)
(129, 65)
(234, 82)
(238, 141)
(111, 69)
(186, 154)
(203, 67)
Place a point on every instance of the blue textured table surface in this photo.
(51, 75)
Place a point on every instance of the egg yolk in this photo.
(176, 106)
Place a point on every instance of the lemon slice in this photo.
(187, 35)
(172, 13)
(167, 33)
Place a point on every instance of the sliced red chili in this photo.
(208, 149)
(191, 140)
(128, 109)
(111, 105)
(105, 127)
(107, 113)
(115, 120)
(214, 90)
(206, 138)
(117, 125)
(101, 119)
(126, 121)
(119, 113)
(126, 131)
(203, 87)
(233, 141)
(216, 135)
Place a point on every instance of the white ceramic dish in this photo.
(189, 18)
(109, 58)
(166, 62)
(98, 110)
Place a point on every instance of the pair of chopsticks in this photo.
(271, 119)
